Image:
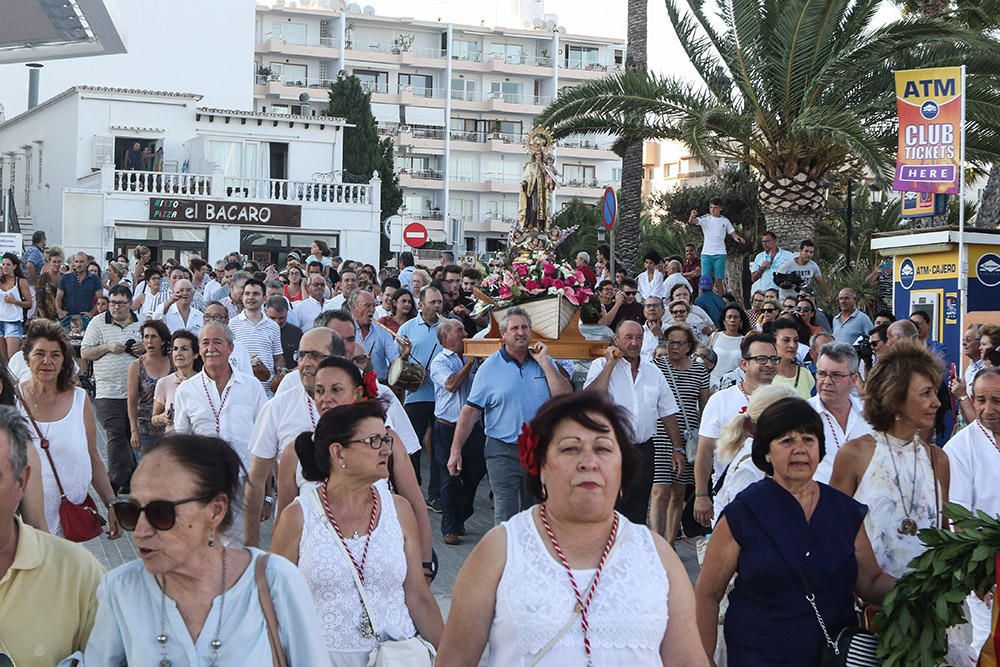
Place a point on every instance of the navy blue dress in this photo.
(769, 622)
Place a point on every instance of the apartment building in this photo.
(668, 165)
(456, 99)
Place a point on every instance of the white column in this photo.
(458, 242)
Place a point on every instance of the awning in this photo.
(385, 113)
(425, 116)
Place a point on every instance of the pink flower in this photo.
(508, 278)
(558, 284)
(505, 292)
(532, 284)
(571, 280)
(571, 296)
(580, 278)
(547, 282)
(522, 269)
(548, 269)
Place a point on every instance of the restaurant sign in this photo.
(162, 209)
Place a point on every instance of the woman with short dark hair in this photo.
(186, 360)
(786, 537)
(351, 530)
(570, 581)
(182, 499)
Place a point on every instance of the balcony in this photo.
(162, 183)
(283, 190)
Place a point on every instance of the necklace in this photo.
(907, 526)
(989, 436)
(312, 414)
(582, 603)
(833, 430)
(216, 644)
(211, 404)
(367, 629)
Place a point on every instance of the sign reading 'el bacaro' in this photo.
(229, 212)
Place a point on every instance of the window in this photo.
(495, 245)
(582, 57)
(511, 53)
(511, 130)
(579, 175)
(235, 158)
(463, 89)
(470, 244)
(290, 33)
(670, 170)
(372, 81)
(461, 208)
(463, 169)
(501, 209)
(508, 91)
(462, 49)
(420, 85)
(619, 57)
(616, 174)
(290, 73)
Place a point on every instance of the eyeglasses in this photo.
(875, 343)
(679, 311)
(118, 303)
(375, 441)
(161, 514)
(768, 310)
(836, 377)
(216, 318)
(677, 343)
(803, 309)
(764, 359)
(299, 355)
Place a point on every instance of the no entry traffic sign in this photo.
(415, 235)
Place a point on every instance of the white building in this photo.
(456, 99)
(216, 180)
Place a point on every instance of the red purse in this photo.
(80, 522)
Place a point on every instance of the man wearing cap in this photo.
(709, 300)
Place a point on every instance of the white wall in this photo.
(175, 45)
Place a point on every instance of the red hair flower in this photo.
(527, 446)
(370, 385)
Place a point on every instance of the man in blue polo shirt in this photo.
(78, 291)
(420, 344)
(508, 389)
(851, 322)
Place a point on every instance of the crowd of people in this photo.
(800, 450)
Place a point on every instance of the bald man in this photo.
(640, 388)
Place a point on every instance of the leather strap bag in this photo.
(412, 652)
(80, 522)
(270, 618)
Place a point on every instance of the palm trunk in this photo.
(791, 228)
(989, 206)
(630, 204)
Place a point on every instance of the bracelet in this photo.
(703, 495)
(962, 398)
(108, 502)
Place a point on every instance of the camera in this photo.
(863, 347)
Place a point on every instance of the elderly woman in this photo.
(897, 471)
(143, 374)
(189, 600)
(698, 319)
(350, 530)
(570, 581)
(62, 422)
(786, 537)
(187, 363)
(689, 383)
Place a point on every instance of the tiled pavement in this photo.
(450, 558)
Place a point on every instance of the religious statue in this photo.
(534, 230)
(535, 198)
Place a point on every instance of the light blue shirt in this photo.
(380, 347)
(857, 324)
(406, 280)
(128, 621)
(448, 404)
(766, 280)
(508, 393)
(424, 341)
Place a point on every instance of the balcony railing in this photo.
(423, 174)
(585, 143)
(162, 183)
(581, 183)
(425, 132)
(281, 190)
(523, 59)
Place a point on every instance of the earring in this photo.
(897, 418)
(767, 457)
(545, 493)
(211, 542)
(343, 465)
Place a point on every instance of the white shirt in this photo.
(721, 408)
(836, 436)
(970, 374)
(395, 415)
(649, 287)
(671, 280)
(240, 358)
(198, 408)
(282, 420)
(448, 404)
(337, 302)
(974, 463)
(647, 396)
(307, 310)
(715, 229)
(649, 343)
(172, 318)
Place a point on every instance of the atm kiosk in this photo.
(925, 273)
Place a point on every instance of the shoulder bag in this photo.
(270, 617)
(689, 434)
(689, 524)
(80, 522)
(412, 652)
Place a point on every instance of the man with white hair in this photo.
(180, 313)
(308, 309)
(220, 402)
(379, 344)
(674, 276)
(836, 372)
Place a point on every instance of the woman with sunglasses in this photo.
(294, 290)
(350, 530)
(768, 313)
(189, 600)
(187, 363)
(726, 342)
(806, 310)
(61, 414)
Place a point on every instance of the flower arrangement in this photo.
(541, 276)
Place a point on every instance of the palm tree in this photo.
(798, 90)
(627, 233)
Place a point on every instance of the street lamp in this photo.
(875, 197)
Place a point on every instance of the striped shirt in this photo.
(262, 340)
(111, 370)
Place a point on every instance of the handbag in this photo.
(80, 522)
(412, 652)
(689, 524)
(689, 434)
(270, 617)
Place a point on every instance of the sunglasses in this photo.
(628, 293)
(768, 310)
(161, 514)
(803, 309)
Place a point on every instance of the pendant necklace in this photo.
(907, 526)
(216, 644)
(366, 628)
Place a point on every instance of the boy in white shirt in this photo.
(716, 227)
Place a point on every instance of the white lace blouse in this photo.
(628, 614)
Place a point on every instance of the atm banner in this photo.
(929, 105)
